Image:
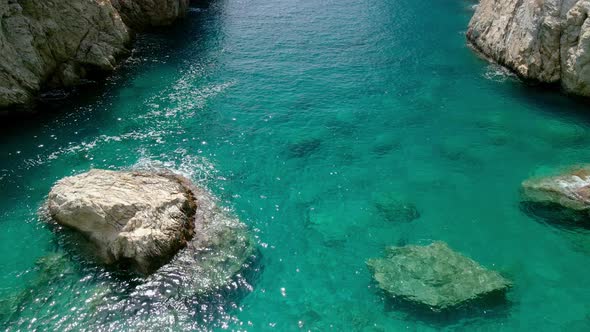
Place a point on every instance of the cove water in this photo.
(298, 115)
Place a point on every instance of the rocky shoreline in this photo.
(540, 41)
(60, 44)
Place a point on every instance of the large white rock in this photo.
(220, 259)
(541, 40)
(136, 218)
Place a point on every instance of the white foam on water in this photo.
(184, 99)
(89, 145)
(497, 73)
(196, 168)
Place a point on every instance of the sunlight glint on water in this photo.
(299, 115)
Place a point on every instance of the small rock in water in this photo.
(395, 209)
(434, 276)
(562, 197)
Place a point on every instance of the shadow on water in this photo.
(552, 99)
(495, 306)
(574, 226)
(556, 216)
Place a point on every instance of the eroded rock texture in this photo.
(135, 218)
(434, 276)
(53, 43)
(542, 40)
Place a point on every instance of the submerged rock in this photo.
(546, 41)
(434, 276)
(395, 209)
(304, 148)
(48, 270)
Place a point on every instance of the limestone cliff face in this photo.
(543, 40)
(56, 43)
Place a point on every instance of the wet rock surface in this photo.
(434, 276)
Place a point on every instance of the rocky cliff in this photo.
(541, 40)
(56, 43)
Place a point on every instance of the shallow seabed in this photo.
(299, 115)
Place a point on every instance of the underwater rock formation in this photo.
(49, 270)
(396, 209)
(546, 41)
(132, 217)
(52, 43)
(434, 276)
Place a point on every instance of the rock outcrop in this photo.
(172, 232)
(217, 265)
(546, 41)
(434, 276)
(563, 198)
(133, 218)
(53, 43)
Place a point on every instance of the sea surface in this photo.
(300, 116)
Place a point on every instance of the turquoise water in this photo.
(299, 116)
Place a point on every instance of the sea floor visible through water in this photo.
(301, 116)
